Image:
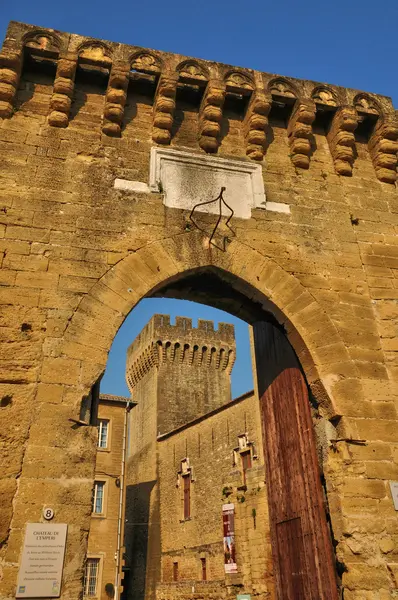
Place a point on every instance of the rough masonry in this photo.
(78, 251)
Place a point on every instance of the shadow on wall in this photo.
(136, 537)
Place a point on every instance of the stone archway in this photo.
(146, 272)
(81, 356)
(101, 312)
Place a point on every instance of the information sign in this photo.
(394, 493)
(40, 573)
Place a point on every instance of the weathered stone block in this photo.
(60, 370)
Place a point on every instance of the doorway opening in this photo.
(216, 483)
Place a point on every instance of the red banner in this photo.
(228, 518)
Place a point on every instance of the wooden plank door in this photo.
(304, 564)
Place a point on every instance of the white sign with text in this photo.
(394, 493)
(40, 573)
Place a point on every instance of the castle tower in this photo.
(192, 368)
(175, 374)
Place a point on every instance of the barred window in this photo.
(98, 497)
(103, 428)
(91, 577)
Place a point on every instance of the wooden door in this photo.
(304, 564)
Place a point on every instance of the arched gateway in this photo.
(304, 562)
(98, 214)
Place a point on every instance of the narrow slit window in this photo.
(175, 571)
(91, 577)
(98, 497)
(103, 431)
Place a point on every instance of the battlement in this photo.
(160, 342)
(258, 98)
(159, 329)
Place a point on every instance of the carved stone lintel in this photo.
(10, 72)
(341, 139)
(210, 116)
(383, 148)
(116, 99)
(64, 84)
(163, 108)
(300, 134)
(256, 124)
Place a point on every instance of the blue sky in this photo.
(349, 43)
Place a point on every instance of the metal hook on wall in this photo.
(221, 203)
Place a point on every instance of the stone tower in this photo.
(190, 367)
(175, 373)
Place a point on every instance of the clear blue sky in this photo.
(349, 43)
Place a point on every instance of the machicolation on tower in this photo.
(160, 343)
(210, 89)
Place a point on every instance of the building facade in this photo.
(162, 493)
(212, 484)
(109, 153)
(192, 450)
(104, 561)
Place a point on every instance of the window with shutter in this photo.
(187, 496)
(246, 458)
(204, 569)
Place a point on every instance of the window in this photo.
(91, 577)
(103, 428)
(184, 479)
(204, 569)
(246, 463)
(98, 497)
(175, 571)
(187, 496)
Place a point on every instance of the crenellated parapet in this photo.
(162, 344)
(348, 116)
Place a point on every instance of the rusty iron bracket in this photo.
(221, 202)
(334, 442)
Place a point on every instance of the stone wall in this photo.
(103, 535)
(217, 479)
(78, 253)
(142, 530)
(175, 373)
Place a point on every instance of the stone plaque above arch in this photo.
(187, 179)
